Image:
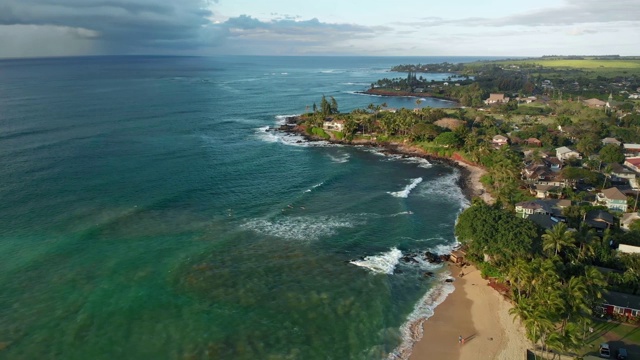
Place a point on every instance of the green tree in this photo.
(448, 139)
(557, 238)
(611, 153)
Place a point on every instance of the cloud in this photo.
(572, 12)
(120, 26)
(245, 34)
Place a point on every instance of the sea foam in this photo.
(404, 193)
(304, 228)
(445, 189)
(380, 264)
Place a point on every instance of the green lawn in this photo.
(617, 335)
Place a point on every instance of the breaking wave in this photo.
(445, 189)
(309, 228)
(314, 186)
(380, 264)
(404, 193)
(412, 329)
(341, 159)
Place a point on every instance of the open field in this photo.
(590, 66)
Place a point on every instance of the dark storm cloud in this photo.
(313, 28)
(121, 25)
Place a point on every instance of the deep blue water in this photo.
(146, 214)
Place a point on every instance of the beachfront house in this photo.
(333, 125)
(621, 304)
(551, 207)
(496, 99)
(564, 153)
(613, 199)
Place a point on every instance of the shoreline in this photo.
(480, 315)
(470, 174)
(470, 309)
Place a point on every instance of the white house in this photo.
(333, 125)
(628, 249)
(564, 153)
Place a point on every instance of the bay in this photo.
(147, 214)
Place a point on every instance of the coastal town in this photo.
(552, 158)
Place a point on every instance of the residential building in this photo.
(627, 219)
(619, 172)
(496, 99)
(610, 140)
(596, 103)
(334, 125)
(633, 163)
(499, 140)
(564, 153)
(613, 199)
(599, 220)
(551, 207)
(534, 142)
(616, 303)
(629, 249)
(631, 150)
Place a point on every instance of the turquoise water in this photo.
(147, 214)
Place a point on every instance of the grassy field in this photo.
(591, 66)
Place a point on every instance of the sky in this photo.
(33, 28)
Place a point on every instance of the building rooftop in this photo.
(614, 194)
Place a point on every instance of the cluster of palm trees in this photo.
(554, 294)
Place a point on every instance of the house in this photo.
(496, 99)
(564, 153)
(613, 199)
(334, 125)
(627, 219)
(619, 172)
(633, 163)
(499, 140)
(610, 140)
(533, 142)
(542, 191)
(629, 249)
(616, 303)
(553, 163)
(595, 103)
(550, 207)
(599, 220)
(631, 150)
(526, 100)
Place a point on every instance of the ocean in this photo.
(148, 212)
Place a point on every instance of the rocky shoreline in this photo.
(469, 173)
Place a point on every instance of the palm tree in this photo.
(557, 238)
(519, 275)
(585, 238)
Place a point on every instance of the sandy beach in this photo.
(477, 313)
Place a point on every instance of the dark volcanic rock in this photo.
(432, 258)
